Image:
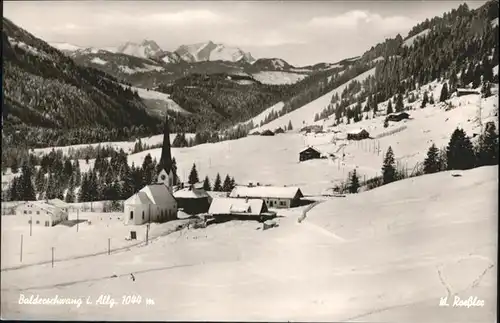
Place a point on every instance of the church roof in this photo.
(138, 198)
(157, 193)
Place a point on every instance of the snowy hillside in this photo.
(409, 42)
(66, 47)
(262, 116)
(305, 115)
(161, 98)
(414, 251)
(275, 77)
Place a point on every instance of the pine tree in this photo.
(193, 175)
(206, 184)
(70, 194)
(40, 181)
(290, 127)
(399, 103)
(26, 183)
(233, 183)
(444, 93)
(174, 172)
(148, 170)
(460, 152)
(13, 192)
(217, 184)
(388, 168)
(425, 100)
(14, 167)
(389, 108)
(486, 90)
(226, 186)
(127, 188)
(431, 163)
(431, 99)
(488, 146)
(354, 183)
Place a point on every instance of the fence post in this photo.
(21, 257)
(77, 219)
(52, 257)
(109, 246)
(31, 226)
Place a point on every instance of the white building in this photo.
(41, 213)
(273, 196)
(153, 203)
(237, 206)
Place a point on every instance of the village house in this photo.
(41, 213)
(155, 202)
(237, 206)
(309, 153)
(358, 134)
(273, 196)
(192, 200)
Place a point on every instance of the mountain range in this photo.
(67, 94)
(149, 49)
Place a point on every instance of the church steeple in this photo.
(166, 155)
(166, 175)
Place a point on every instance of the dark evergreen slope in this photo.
(460, 47)
(46, 94)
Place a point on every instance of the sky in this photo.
(300, 32)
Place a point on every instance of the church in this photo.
(155, 202)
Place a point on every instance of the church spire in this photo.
(166, 156)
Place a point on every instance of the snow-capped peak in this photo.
(210, 51)
(144, 49)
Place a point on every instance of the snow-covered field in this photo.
(366, 257)
(262, 116)
(99, 61)
(146, 68)
(161, 98)
(275, 77)
(305, 115)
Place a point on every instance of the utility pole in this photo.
(77, 219)
(52, 257)
(31, 226)
(147, 234)
(109, 246)
(21, 258)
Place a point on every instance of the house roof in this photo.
(310, 147)
(157, 193)
(138, 198)
(41, 205)
(356, 131)
(266, 191)
(58, 202)
(187, 193)
(225, 205)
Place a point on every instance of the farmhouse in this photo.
(192, 200)
(309, 153)
(237, 206)
(396, 117)
(273, 196)
(462, 92)
(357, 134)
(41, 213)
(155, 202)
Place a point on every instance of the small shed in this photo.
(192, 200)
(462, 92)
(358, 134)
(267, 133)
(396, 117)
(309, 153)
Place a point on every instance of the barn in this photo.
(358, 134)
(41, 213)
(273, 196)
(192, 200)
(309, 153)
(396, 117)
(462, 92)
(153, 203)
